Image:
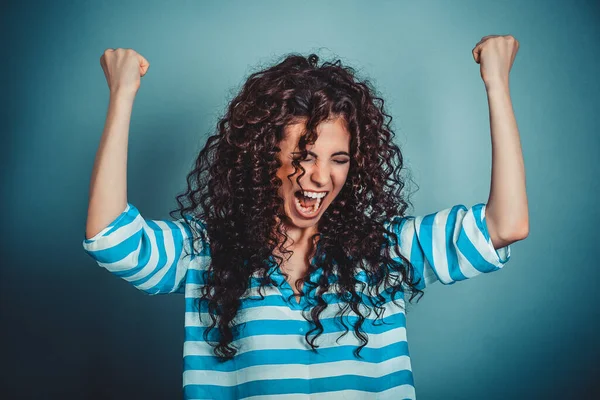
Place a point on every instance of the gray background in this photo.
(71, 330)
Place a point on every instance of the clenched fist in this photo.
(495, 54)
(123, 69)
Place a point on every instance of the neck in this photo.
(299, 240)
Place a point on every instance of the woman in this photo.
(293, 231)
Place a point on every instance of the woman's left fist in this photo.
(495, 54)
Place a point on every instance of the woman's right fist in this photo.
(123, 69)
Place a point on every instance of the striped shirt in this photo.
(273, 360)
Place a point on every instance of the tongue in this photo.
(307, 201)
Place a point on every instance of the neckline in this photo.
(285, 288)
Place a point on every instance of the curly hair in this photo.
(233, 191)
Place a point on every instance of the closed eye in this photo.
(299, 159)
(335, 161)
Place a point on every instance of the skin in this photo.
(326, 170)
(507, 207)
(123, 69)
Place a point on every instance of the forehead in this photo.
(332, 134)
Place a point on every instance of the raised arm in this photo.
(152, 255)
(123, 69)
(507, 210)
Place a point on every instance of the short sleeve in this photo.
(449, 245)
(152, 255)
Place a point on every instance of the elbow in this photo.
(519, 232)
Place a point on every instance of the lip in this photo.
(302, 216)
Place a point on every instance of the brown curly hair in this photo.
(233, 192)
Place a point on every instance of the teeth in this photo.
(309, 210)
(317, 204)
(313, 194)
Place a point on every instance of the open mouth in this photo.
(308, 206)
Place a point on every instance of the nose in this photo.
(319, 175)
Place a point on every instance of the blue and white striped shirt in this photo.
(273, 358)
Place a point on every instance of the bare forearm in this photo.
(507, 210)
(108, 184)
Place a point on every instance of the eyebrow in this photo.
(338, 153)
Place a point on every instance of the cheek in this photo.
(282, 174)
(340, 179)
